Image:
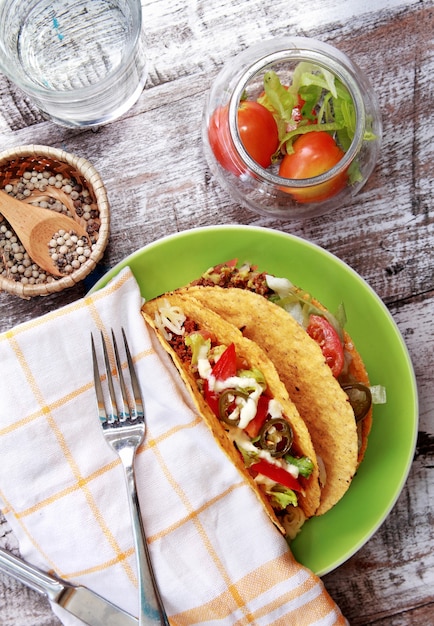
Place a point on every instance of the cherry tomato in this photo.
(314, 153)
(258, 133)
(328, 339)
(221, 142)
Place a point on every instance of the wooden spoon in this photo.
(35, 227)
(57, 194)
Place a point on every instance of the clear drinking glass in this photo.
(82, 62)
(263, 189)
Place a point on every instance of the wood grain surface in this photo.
(158, 183)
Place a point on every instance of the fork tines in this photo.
(126, 407)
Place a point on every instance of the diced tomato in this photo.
(212, 399)
(328, 340)
(226, 366)
(206, 334)
(255, 425)
(278, 474)
(231, 264)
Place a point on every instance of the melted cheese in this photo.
(169, 319)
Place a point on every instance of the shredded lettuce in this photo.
(326, 105)
(255, 374)
(200, 347)
(292, 296)
(280, 101)
(249, 456)
(216, 352)
(303, 464)
(282, 497)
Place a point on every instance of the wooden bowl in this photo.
(13, 164)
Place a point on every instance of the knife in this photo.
(88, 606)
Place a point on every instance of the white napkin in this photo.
(215, 552)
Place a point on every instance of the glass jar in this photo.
(268, 190)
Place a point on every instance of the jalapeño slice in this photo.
(227, 406)
(276, 437)
(360, 398)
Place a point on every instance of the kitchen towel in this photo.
(216, 555)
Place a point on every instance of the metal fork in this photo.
(123, 423)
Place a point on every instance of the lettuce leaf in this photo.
(304, 464)
(281, 497)
(199, 346)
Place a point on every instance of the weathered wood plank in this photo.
(391, 580)
(159, 183)
(394, 572)
(168, 170)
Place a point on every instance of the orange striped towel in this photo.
(216, 555)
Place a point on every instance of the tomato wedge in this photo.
(254, 426)
(226, 366)
(212, 399)
(328, 340)
(276, 473)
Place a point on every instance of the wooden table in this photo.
(158, 183)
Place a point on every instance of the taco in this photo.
(321, 379)
(240, 396)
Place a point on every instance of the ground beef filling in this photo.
(178, 344)
(225, 276)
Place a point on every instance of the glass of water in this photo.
(82, 62)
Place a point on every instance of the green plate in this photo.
(325, 542)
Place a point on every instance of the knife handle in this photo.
(30, 575)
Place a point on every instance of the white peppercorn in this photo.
(68, 251)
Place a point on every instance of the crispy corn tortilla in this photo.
(358, 371)
(254, 357)
(318, 396)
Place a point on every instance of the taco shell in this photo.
(255, 357)
(318, 396)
